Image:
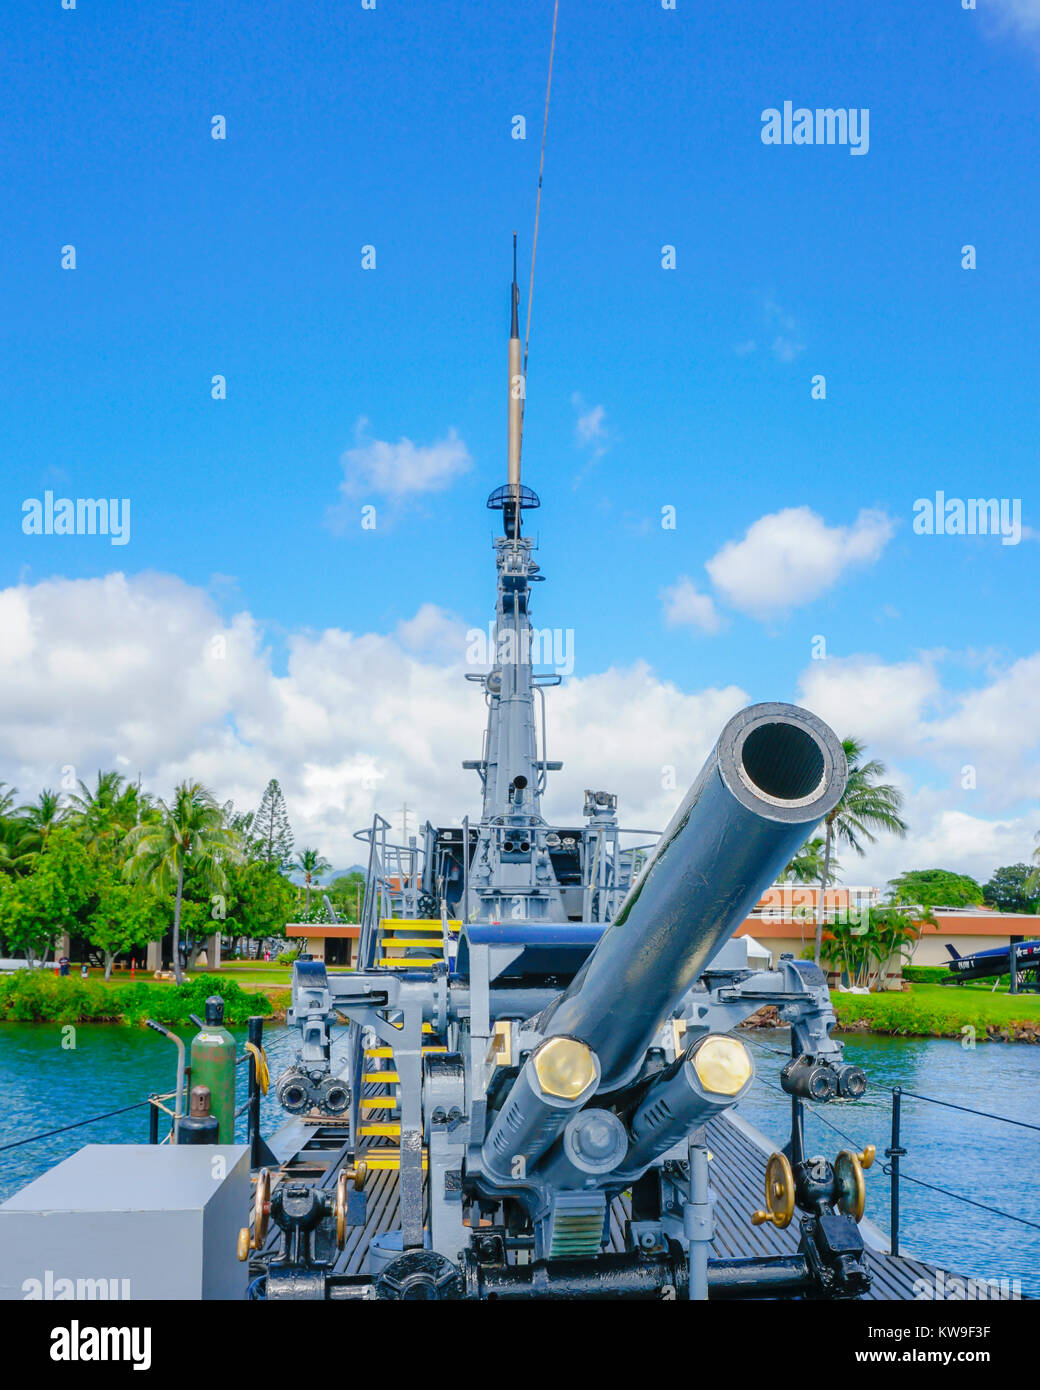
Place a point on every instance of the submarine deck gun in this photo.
(582, 1060)
(572, 1044)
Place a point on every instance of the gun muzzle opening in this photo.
(782, 761)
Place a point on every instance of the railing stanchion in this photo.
(256, 1036)
(894, 1152)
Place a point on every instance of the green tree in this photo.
(347, 895)
(126, 915)
(1012, 889)
(807, 865)
(260, 901)
(1034, 877)
(865, 951)
(935, 888)
(190, 831)
(37, 908)
(866, 805)
(38, 819)
(10, 831)
(241, 822)
(271, 836)
(107, 814)
(312, 866)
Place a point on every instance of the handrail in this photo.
(994, 1211)
(895, 1151)
(77, 1124)
(969, 1109)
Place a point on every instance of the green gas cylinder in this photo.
(213, 1065)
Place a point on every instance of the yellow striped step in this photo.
(389, 1078)
(389, 1051)
(416, 924)
(399, 964)
(390, 942)
(384, 1160)
(380, 1131)
(378, 1103)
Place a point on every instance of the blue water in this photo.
(43, 1085)
(996, 1164)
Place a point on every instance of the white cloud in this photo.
(590, 427)
(792, 556)
(1023, 15)
(685, 607)
(785, 349)
(781, 328)
(982, 746)
(433, 633)
(377, 468)
(992, 730)
(627, 731)
(142, 673)
(882, 703)
(943, 839)
(996, 729)
(784, 327)
(126, 672)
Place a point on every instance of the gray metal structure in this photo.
(129, 1221)
(565, 1054)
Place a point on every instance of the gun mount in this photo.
(581, 1061)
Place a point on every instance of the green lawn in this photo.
(249, 974)
(929, 1010)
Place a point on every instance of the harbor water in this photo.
(991, 1163)
(44, 1085)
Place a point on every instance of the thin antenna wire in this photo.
(538, 203)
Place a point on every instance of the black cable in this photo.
(956, 1196)
(64, 1128)
(986, 1115)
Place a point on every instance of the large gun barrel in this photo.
(775, 772)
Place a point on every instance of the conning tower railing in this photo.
(392, 884)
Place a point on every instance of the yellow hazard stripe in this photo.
(391, 943)
(389, 1051)
(416, 924)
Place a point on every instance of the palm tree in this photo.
(107, 814)
(95, 810)
(807, 865)
(9, 827)
(312, 866)
(1033, 881)
(191, 828)
(866, 805)
(37, 819)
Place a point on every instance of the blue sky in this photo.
(647, 387)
